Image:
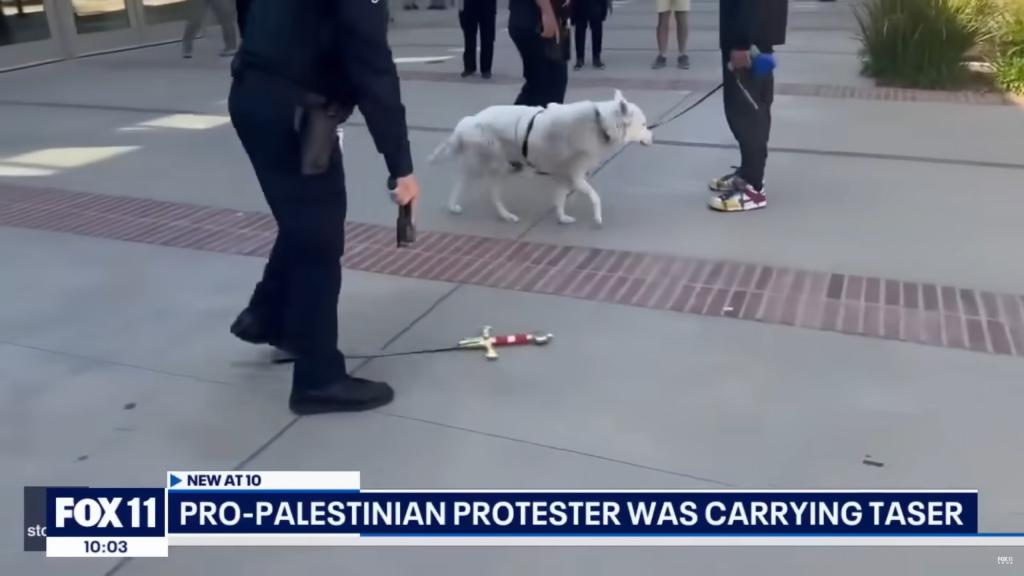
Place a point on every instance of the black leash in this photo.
(382, 354)
(688, 108)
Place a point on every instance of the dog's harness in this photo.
(525, 148)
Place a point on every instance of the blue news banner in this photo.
(143, 521)
(394, 513)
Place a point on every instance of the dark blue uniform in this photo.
(545, 71)
(295, 51)
(478, 15)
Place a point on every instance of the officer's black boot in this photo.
(251, 326)
(321, 386)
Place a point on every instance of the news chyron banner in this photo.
(331, 509)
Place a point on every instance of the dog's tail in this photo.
(445, 149)
(452, 145)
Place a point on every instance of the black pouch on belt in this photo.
(559, 50)
(317, 122)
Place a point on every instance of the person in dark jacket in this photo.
(478, 15)
(538, 29)
(747, 28)
(592, 14)
(301, 69)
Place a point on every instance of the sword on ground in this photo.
(486, 342)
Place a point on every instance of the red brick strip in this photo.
(927, 314)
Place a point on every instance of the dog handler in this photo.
(743, 25)
(302, 68)
(538, 29)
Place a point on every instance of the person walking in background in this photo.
(538, 29)
(196, 11)
(681, 8)
(589, 13)
(477, 15)
(749, 31)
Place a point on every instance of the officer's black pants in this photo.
(545, 78)
(478, 15)
(596, 26)
(751, 127)
(298, 294)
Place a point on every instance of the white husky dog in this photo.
(561, 141)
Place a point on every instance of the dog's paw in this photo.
(455, 208)
(566, 219)
(510, 217)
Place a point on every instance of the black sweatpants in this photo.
(751, 127)
(478, 15)
(298, 293)
(596, 26)
(545, 78)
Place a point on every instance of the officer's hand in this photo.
(739, 59)
(549, 26)
(407, 189)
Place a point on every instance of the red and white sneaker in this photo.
(741, 198)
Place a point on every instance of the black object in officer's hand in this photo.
(405, 228)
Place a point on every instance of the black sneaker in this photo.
(599, 64)
(659, 62)
(579, 65)
(485, 75)
(468, 73)
(350, 394)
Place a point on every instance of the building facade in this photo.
(37, 31)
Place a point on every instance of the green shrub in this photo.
(1009, 48)
(918, 43)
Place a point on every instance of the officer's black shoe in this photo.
(468, 73)
(252, 327)
(485, 75)
(349, 394)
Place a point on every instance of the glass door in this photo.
(165, 19)
(26, 33)
(98, 25)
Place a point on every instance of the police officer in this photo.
(302, 68)
(538, 29)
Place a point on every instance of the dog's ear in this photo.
(623, 108)
(618, 96)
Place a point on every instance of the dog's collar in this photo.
(600, 126)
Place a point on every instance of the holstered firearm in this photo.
(317, 121)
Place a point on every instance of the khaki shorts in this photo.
(672, 6)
